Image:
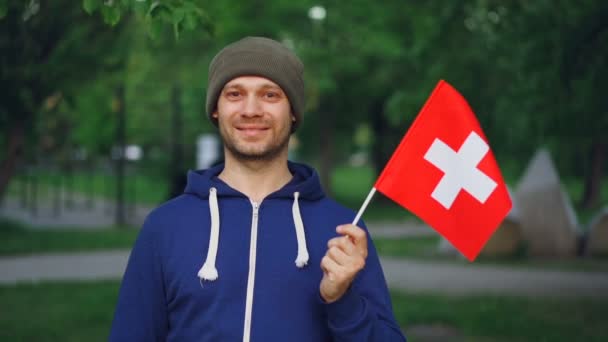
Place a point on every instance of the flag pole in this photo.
(365, 203)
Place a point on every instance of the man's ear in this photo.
(214, 115)
(293, 118)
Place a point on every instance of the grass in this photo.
(425, 248)
(76, 311)
(19, 240)
(350, 186)
(57, 311)
(411, 247)
(144, 189)
(494, 318)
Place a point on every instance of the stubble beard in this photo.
(267, 153)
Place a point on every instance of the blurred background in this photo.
(102, 114)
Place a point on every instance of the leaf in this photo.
(158, 10)
(90, 5)
(154, 28)
(178, 14)
(3, 8)
(140, 7)
(111, 15)
(190, 21)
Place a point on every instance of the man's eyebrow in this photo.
(235, 85)
(268, 85)
(264, 86)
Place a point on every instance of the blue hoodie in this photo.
(251, 287)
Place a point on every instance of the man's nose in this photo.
(252, 106)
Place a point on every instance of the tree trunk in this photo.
(16, 140)
(177, 176)
(382, 144)
(593, 179)
(326, 139)
(379, 126)
(119, 108)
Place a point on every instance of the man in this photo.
(253, 250)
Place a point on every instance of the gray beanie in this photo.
(258, 56)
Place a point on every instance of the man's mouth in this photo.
(251, 130)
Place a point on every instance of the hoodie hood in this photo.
(305, 181)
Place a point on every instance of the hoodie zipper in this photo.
(251, 277)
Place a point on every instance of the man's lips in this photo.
(251, 130)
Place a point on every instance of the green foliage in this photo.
(532, 72)
(3, 8)
(181, 15)
(90, 5)
(111, 14)
(49, 49)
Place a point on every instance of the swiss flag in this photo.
(444, 172)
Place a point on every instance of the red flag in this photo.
(444, 172)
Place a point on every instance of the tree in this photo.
(47, 48)
(55, 47)
(584, 71)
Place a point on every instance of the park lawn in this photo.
(351, 185)
(74, 311)
(425, 248)
(140, 188)
(18, 239)
(410, 247)
(501, 318)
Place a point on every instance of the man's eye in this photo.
(272, 95)
(233, 93)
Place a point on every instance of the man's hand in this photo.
(345, 257)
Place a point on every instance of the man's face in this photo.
(254, 118)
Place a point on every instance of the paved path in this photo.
(99, 214)
(446, 278)
(71, 266)
(404, 274)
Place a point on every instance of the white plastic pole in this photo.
(364, 206)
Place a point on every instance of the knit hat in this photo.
(258, 56)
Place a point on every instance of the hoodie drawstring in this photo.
(302, 258)
(208, 271)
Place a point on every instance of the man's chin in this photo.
(255, 154)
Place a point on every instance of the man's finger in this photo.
(338, 255)
(343, 242)
(356, 234)
(329, 266)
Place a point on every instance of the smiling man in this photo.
(254, 250)
(246, 133)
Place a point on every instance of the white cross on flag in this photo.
(444, 172)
